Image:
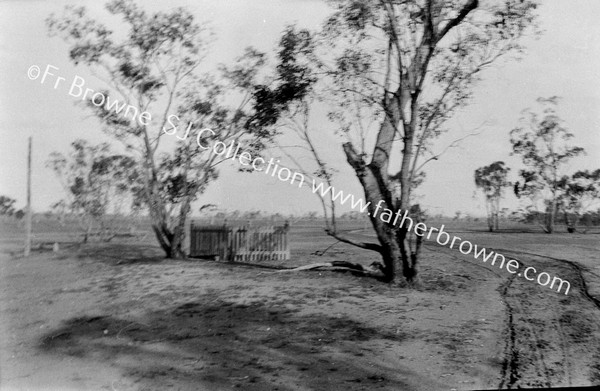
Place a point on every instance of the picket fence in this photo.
(240, 243)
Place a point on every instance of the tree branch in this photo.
(470, 6)
(344, 239)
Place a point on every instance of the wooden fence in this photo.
(240, 243)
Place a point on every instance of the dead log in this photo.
(373, 270)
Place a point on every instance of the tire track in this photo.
(548, 355)
(514, 360)
(565, 352)
(515, 363)
(574, 265)
(510, 365)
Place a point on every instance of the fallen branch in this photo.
(373, 270)
(306, 267)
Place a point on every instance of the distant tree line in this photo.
(550, 196)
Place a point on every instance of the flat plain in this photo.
(117, 316)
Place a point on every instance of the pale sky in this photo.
(564, 61)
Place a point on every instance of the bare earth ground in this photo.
(118, 317)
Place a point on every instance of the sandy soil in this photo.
(118, 317)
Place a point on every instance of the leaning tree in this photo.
(154, 67)
(492, 180)
(391, 74)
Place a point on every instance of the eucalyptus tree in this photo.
(154, 69)
(581, 194)
(544, 145)
(492, 180)
(392, 73)
(96, 182)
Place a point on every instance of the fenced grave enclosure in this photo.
(240, 244)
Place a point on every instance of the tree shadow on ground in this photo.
(121, 253)
(213, 344)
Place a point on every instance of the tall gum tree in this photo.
(544, 145)
(404, 68)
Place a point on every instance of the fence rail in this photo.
(240, 243)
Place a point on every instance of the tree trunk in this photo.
(570, 223)
(497, 212)
(163, 236)
(179, 231)
(395, 252)
(160, 226)
(550, 215)
(171, 240)
(409, 258)
(489, 210)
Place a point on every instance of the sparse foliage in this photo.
(392, 74)
(492, 180)
(544, 145)
(97, 182)
(155, 68)
(7, 206)
(581, 192)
